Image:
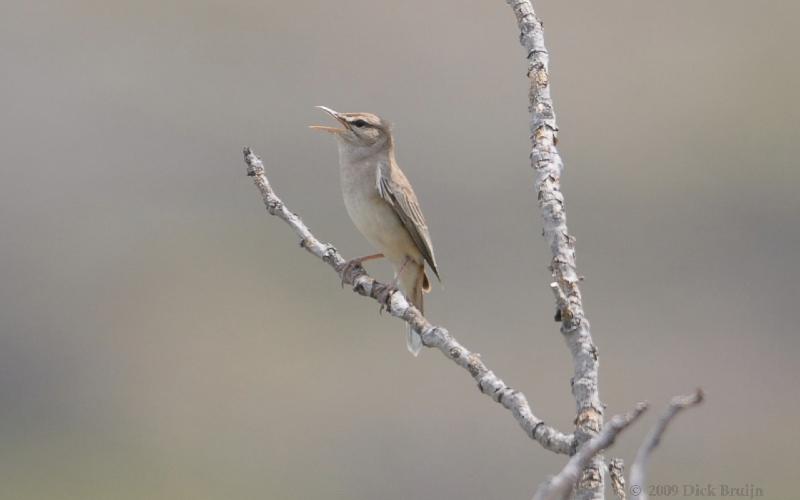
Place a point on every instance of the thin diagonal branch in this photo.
(397, 305)
(560, 486)
(638, 469)
(548, 165)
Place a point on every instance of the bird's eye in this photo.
(360, 123)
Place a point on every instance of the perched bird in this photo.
(382, 204)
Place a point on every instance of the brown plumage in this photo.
(382, 204)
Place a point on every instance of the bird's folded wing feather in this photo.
(395, 189)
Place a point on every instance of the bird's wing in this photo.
(395, 189)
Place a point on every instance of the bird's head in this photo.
(363, 130)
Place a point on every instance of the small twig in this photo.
(561, 485)
(398, 306)
(638, 469)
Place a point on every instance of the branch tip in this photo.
(638, 469)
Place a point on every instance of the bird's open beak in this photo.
(332, 130)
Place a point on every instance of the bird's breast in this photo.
(371, 214)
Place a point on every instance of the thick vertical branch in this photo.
(574, 325)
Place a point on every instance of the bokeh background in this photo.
(161, 337)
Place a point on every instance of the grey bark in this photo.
(616, 472)
(574, 325)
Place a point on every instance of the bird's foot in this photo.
(384, 296)
(349, 267)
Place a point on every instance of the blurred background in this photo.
(161, 337)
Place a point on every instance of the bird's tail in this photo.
(414, 283)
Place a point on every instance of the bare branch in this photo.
(560, 486)
(397, 305)
(638, 472)
(548, 165)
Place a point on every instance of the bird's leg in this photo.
(396, 281)
(394, 286)
(351, 264)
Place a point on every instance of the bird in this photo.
(383, 206)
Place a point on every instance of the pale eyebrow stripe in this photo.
(355, 119)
